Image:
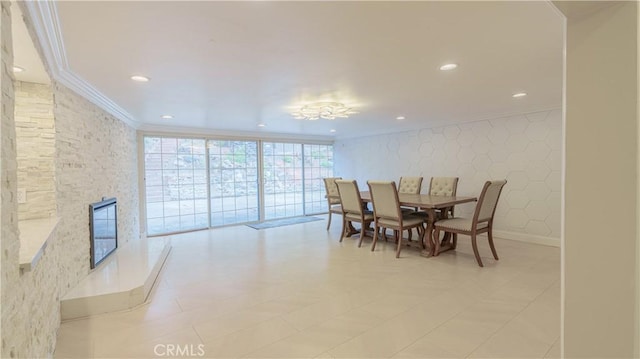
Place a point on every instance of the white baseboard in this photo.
(529, 238)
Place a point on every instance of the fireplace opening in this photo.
(103, 221)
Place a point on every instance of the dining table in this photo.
(430, 205)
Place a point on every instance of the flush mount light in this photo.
(400, 118)
(140, 78)
(332, 130)
(166, 117)
(17, 69)
(519, 94)
(261, 125)
(323, 109)
(447, 67)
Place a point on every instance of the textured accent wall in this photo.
(35, 134)
(524, 149)
(96, 156)
(9, 243)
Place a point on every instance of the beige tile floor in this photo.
(296, 292)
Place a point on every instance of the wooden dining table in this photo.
(430, 204)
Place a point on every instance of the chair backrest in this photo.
(349, 196)
(411, 185)
(384, 197)
(443, 186)
(332, 189)
(486, 207)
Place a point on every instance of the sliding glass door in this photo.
(233, 182)
(195, 183)
(175, 183)
(282, 180)
(318, 164)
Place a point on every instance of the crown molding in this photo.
(44, 18)
(147, 129)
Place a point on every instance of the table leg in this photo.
(428, 235)
(351, 230)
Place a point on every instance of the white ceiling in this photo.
(231, 65)
(25, 55)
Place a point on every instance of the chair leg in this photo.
(375, 238)
(329, 222)
(475, 249)
(362, 234)
(454, 241)
(399, 239)
(493, 248)
(410, 234)
(344, 229)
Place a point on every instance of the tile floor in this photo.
(296, 292)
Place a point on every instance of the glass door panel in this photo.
(171, 188)
(318, 164)
(283, 180)
(233, 182)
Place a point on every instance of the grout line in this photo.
(514, 317)
(546, 355)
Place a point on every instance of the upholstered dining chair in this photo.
(387, 212)
(333, 198)
(352, 208)
(482, 221)
(444, 186)
(410, 185)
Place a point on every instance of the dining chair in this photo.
(333, 198)
(352, 208)
(387, 212)
(482, 221)
(444, 186)
(410, 185)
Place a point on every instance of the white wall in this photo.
(524, 149)
(601, 239)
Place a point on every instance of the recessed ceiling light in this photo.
(17, 69)
(139, 78)
(400, 118)
(261, 125)
(447, 67)
(166, 117)
(332, 130)
(519, 94)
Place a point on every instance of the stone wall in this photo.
(96, 156)
(9, 243)
(35, 134)
(524, 149)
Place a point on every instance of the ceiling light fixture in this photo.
(166, 117)
(139, 78)
(332, 130)
(261, 125)
(447, 67)
(400, 118)
(17, 69)
(519, 94)
(323, 109)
